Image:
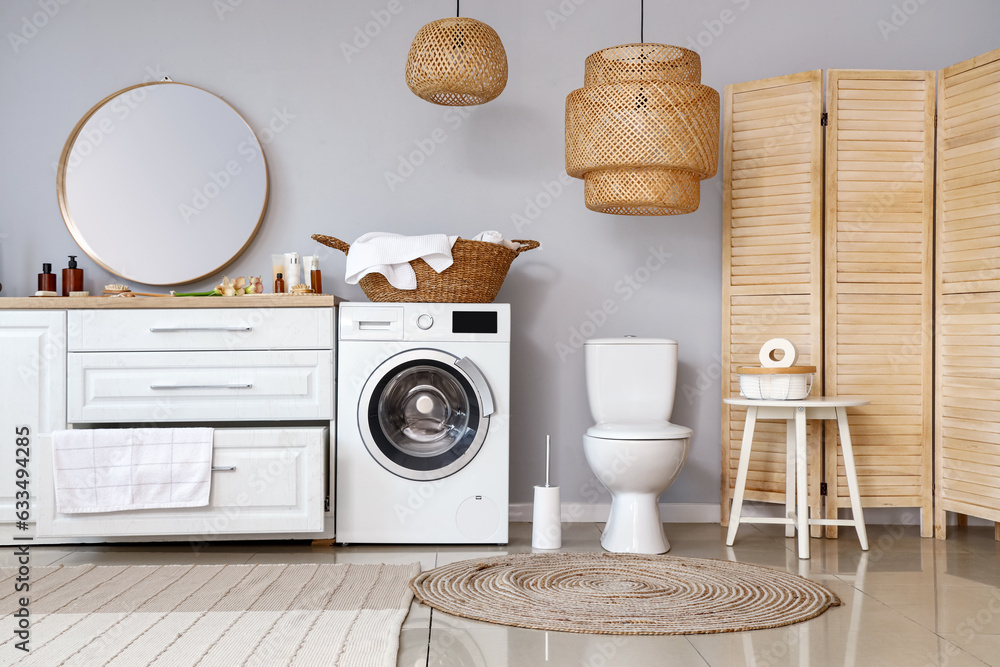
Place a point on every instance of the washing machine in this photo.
(423, 433)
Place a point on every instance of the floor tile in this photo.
(413, 643)
(179, 557)
(907, 601)
(981, 539)
(983, 646)
(419, 615)
(862, 632)
(952, 610)
(458, 641)
(38, 556)
(425, 558)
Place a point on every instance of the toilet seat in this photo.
(641, 430)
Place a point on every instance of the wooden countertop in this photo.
(151, 302)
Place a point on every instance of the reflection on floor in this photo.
(909, 601)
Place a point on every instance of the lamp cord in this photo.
(458, 8)
(642, 21)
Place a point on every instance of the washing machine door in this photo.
(424, 413)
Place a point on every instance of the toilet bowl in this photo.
(633, 449)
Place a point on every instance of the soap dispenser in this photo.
(46, 279)
(72, 278)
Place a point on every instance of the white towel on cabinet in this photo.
(390, 254)
(112, 470)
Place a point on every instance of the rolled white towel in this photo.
(390, 254)
(491, 236)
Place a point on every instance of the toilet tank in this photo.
(631, 379)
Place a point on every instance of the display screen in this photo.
(474, 321)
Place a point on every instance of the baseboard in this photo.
(598, 512)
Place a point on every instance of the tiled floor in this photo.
(909, 601)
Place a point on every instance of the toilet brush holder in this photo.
(546, 528)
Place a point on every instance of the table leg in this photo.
(801, 481)
(790, 476)
(741, 475)
(852, 477)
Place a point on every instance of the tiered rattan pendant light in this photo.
(457, 62)
(643, 131)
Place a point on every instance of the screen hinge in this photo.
(822, 488)
(824, 120)
(326, 504)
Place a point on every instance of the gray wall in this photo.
(345, 124)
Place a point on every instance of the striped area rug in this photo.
(208, 615)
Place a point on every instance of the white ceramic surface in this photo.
(633, 448)
(636, 472)
(631, 379)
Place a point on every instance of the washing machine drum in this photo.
(424, 414)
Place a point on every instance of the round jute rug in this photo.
(623, 594)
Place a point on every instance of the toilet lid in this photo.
(651, 430)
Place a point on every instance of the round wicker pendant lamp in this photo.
(457, 62)
(643, 131)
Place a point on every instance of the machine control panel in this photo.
(486, 322)
(474, 321)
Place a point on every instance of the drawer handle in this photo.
(201, 386)
(173, 329)
(223, 468)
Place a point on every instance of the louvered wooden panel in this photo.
(879, 222)
(772, 257)
(772, 195)
(753, 320)
(880, 355)
(967, 417)
(968, 422)
(968, 175)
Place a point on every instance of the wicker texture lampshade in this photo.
(457, 62)
(643, 131)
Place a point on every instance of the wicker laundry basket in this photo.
(476, 275)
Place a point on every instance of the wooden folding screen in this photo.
(772, 259)
(879, 284)
(968, 291)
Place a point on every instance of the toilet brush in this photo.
(546, 530)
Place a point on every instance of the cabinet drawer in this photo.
(277, 485)
(199, 386)
(200, 329)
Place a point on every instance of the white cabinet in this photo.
(263, 481)
(189, 386)
(258, 370)
(200, 329)
(33, 398)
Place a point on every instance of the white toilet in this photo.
(633, 448)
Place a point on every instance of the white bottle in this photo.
(293, 270)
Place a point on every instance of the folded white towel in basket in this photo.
(390, 254)
(111, 470)
(495, 237)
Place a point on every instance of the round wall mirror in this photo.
(163, 183)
